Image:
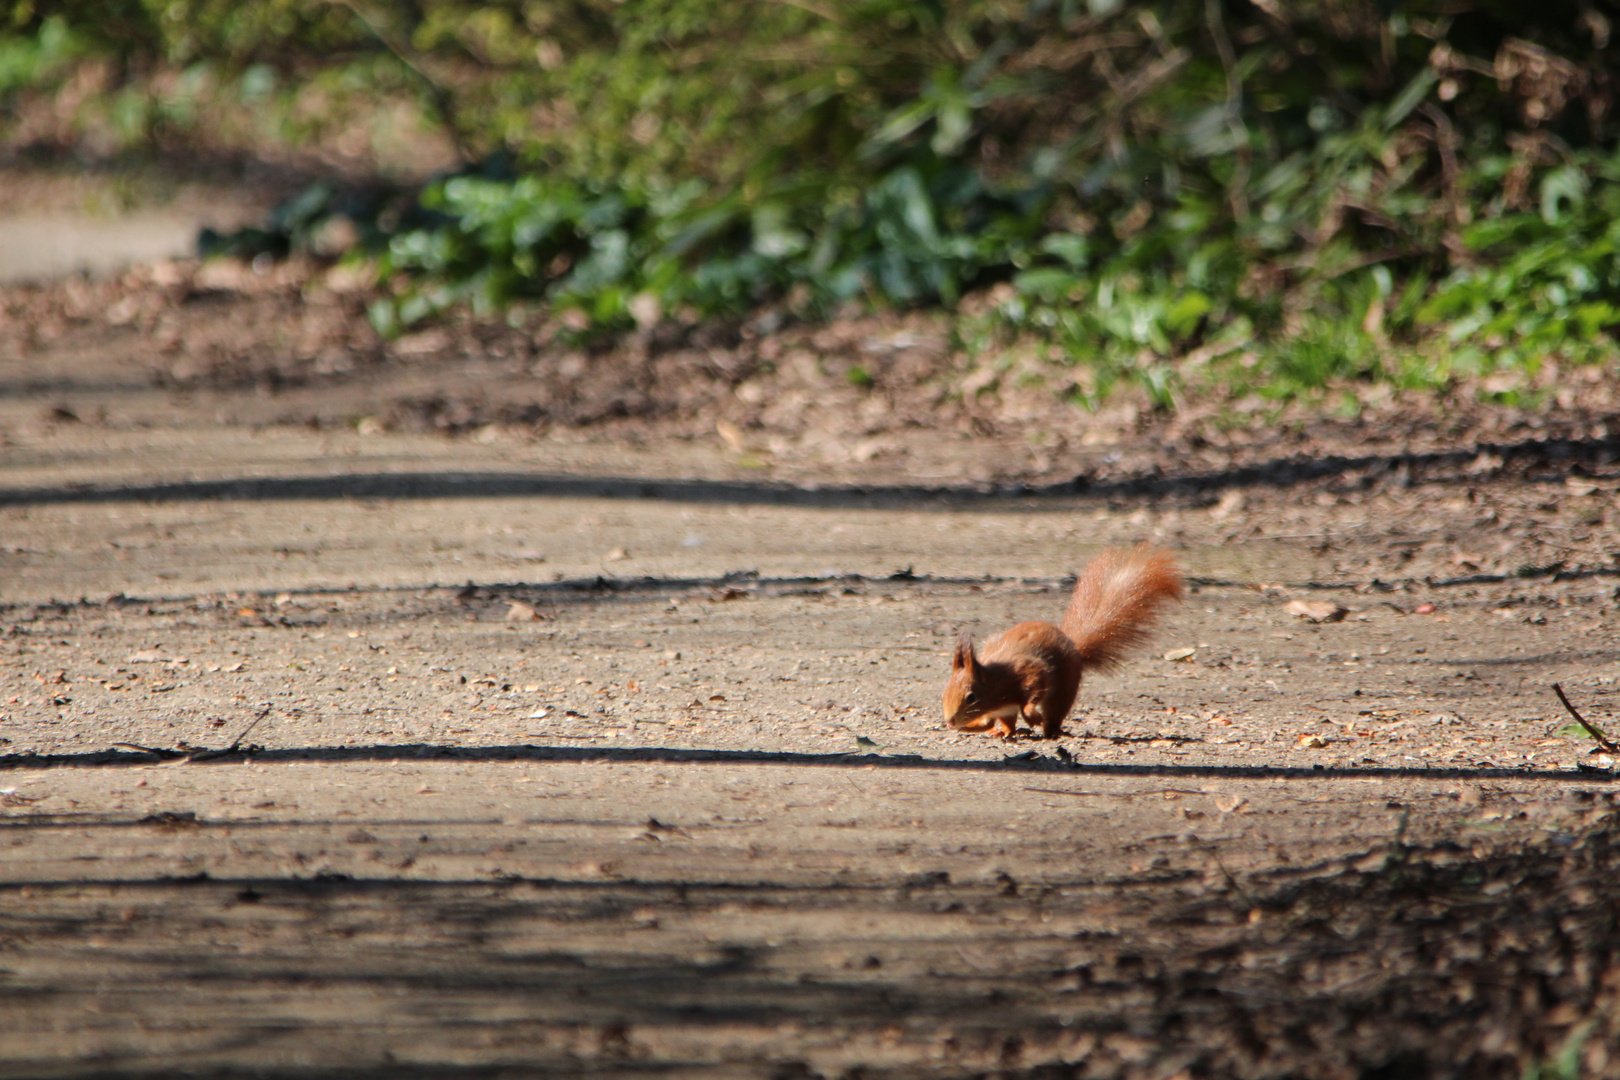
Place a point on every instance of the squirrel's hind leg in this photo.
(1046, 715)
(1036, 716)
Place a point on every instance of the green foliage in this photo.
(1541, 282)
(1284, 197)
(1566, 1064)
(38, 57)
(911, 237)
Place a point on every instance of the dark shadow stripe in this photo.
(1029, 762)
(647, 585)
(1280, 473)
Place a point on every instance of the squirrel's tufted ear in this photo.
(963, 656)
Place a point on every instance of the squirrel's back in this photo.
(1116, 601)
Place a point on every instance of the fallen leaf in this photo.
(646, 308)
(1311, 742)
(1184, 653)
(1318, 611)
(731, 435)
(154, 656)
(1230, 503)
(607, 868)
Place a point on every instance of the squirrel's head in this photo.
(971, 701)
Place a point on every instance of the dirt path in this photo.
(378, 915)
(600, 756)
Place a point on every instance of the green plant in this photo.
(38, 57)
(1335, 191)
(1566, 1064)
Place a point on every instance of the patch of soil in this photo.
(881, 401)
(587, 913)
(853, 390)
(663, 782)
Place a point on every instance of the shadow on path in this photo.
(1431, 467)
(1027, 762)
(601, 586)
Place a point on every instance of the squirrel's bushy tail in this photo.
(1116, 601)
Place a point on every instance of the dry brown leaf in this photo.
(518, 611)
(731, 435)
(1318, 611)
(154, 656)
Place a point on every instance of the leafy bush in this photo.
(909, 238)
(1544, 281)
(38, 57)
(1319, 188)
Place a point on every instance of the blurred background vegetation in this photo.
(1264, 196)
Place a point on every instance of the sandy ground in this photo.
(572, 750)
(58, 223)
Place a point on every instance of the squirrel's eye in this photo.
(971, 698)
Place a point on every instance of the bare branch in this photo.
(1604, 742)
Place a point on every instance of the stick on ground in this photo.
(1603, 741)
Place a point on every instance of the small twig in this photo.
(1236, 192)
(1397, 847)
(1604, 742)
(1232, 881)
(158, 750)
(442, 100)
(213, 755)
(820, 11)
(247, 730)
(972, 963)
(1115, 794)
(197, 755)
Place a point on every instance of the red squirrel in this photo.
(1033, 670)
